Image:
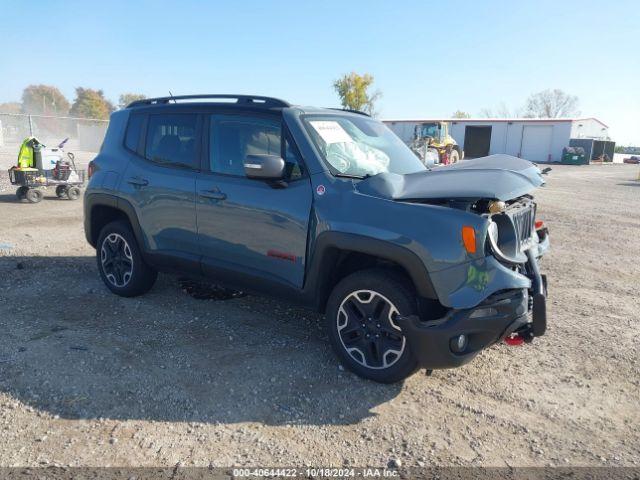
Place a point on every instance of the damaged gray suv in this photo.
(412, 267)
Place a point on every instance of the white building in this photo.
(538, 140)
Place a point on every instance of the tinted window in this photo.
(233, 138)
(171, 139)
(134, 129)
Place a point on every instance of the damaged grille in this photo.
(514, 234)
(523, 218)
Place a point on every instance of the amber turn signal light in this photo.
(469, 239)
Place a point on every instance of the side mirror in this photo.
(264, 167)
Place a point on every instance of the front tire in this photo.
(73, 193)
(361, 327)
(34, 195)
(454, 157)
(120, 261)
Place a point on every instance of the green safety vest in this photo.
(26, 158)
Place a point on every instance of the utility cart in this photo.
(32, 183)
(39, 168)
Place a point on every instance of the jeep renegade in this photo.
(412, 267)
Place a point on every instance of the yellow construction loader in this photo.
(433, 143)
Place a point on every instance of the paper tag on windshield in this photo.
(331, 132)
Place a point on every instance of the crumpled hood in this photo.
(500, 177)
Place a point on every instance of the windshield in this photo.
(360, 147)
(430, 130)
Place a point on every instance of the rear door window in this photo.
(171, 140)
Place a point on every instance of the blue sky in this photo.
(482, 54)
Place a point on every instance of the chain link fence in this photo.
(85, 135)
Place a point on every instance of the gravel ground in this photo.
(91, 379)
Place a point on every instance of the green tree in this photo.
(127, 98)
(10, 107)
(91, 103)
(44, 100)
(551, 104)
(353, 90)
(460, 114)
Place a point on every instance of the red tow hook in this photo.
(514, 339)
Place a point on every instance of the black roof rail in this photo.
(255, 100)
(350, 110)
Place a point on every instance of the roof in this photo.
(241, 101)
(246, 100)
(254, 101)
(494, 120)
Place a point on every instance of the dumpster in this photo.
(574, 156)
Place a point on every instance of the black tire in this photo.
(73, 193)
(61, 191)
(454, 157)
(34, 195)
(21, 192)
(372, 357)
(124, 261)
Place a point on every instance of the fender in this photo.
(327, 247)
(92, 200)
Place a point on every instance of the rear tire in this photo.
(454, 157)
(61, 191)
(360, 324)
(120, 261)
(34, 195)
(73, 193)
(21, 192)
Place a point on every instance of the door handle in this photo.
(138, 182)
(213, 194)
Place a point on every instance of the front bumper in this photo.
(516, 310)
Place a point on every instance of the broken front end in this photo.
(515, 308)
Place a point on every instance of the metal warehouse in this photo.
(538, 140)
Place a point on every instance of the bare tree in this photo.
(486, 113)
(501, 111)
(551, 104)
(505, 112)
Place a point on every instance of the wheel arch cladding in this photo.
(101, 209)
(331, 248)
(102, 215)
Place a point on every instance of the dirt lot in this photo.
(87, 378)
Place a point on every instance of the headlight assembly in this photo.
(492, 231)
